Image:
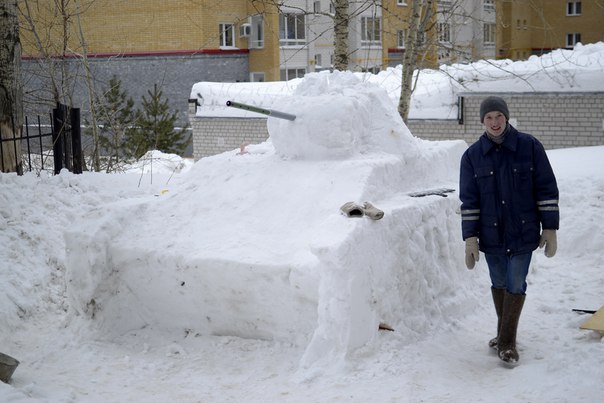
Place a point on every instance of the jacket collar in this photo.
(510, 142)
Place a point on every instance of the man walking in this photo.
(509, 207)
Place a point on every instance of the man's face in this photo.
(494, 123)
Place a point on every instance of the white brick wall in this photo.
(216, 135)
(558, 120)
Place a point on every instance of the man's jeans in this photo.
(509, 271)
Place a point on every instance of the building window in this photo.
(372, 70)
(521, 24)
(444, 32)
(257, 37)
(227, 37)
(572, 39)
(288, 74)
(488, 5)
(316, 6)
(292, 30)
(401, 2)
(318, 60)
(446, 4)
(489, 34)
(257, 77)
(400, 39)
(421, 38)
(443, 55)
(573, 8)
(371, 31)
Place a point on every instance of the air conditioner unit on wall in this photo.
(245, 30)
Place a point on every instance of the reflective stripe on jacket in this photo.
(508, 193)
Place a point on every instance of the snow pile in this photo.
(159, 162)
(562, 70)
(35, 211)
(254, 245)
(63, 360)
(326, 104)
(579, 69)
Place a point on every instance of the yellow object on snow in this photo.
(595, 322)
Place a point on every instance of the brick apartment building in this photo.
(535, 27)
(177, 43)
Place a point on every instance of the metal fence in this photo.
(59, 138)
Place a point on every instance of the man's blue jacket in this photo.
(508, 193)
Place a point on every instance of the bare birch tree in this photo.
(48, 23)
(53, 26)
(96, 151)
(421, 17)
(11, 105)
(341, 22)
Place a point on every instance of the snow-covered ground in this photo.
(238, 278)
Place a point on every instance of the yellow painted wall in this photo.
(266, 59)
(396, 17)
(116, 26)
(528, 26)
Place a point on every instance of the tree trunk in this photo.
(96, 153)
(416, 26)
(340, 26)
(11, 105)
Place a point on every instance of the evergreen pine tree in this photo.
(115, 117)
(154, 128)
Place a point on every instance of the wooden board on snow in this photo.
(432, 192)
(595, 322)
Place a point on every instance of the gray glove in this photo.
(550, 240)
(472, 254)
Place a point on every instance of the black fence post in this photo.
(18, 162)
(58, 124)
(66, 142)
(28, 144)
(66, 132)
(76, 141)
(40, 141)
(1, 151)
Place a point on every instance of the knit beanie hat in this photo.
(491, 104)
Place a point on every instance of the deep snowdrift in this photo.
(327, 281)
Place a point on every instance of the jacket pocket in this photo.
(490, 231)
(522, 176)
(530, 228)
(485, 177)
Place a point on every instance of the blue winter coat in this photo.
(508, 193)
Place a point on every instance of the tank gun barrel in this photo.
(264, 111)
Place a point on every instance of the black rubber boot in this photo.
(498, 295)
(506, 343)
